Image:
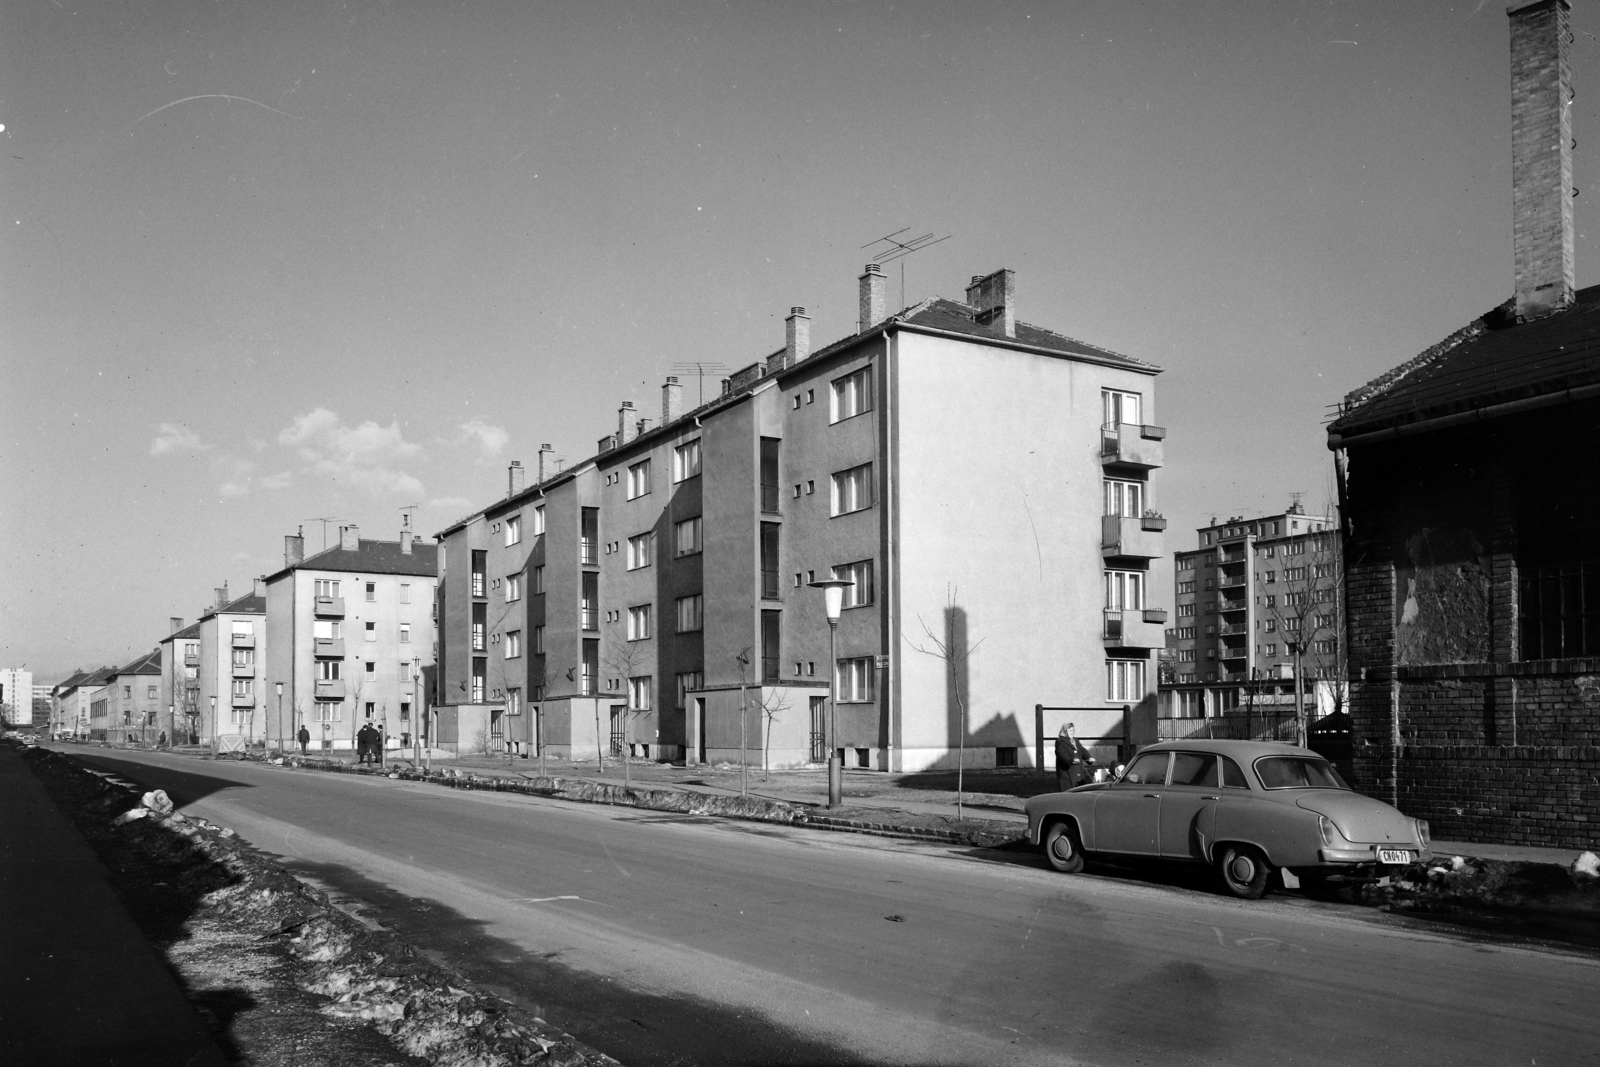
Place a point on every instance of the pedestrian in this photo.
(161, 741)
(377, 745)
(364, 743)
(1073, 761)
(304, 737)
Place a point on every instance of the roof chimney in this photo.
(874, 286)
(544, 450)
(644, 427)
(1541, 156)
(796, 336)
(625, 428)
(294, 547)
(176, 623)
(406, 537)
(349, 539)
(221, 593)
(995, 299)
(514, 476)
(259, 587)
(671, 400)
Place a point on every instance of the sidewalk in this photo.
(81, 983)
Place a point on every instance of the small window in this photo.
(852, 395)
(686, 460)
(151, 693)
(811, 396)
(372, 631)
(687, 536)
(639, 479)
(513, 530)
(372, 592)
(538, 580)
(796, 404)
(513, 587)
(405, 633)
(639, 693)
(691, 613)
(513, 644)
(1005, 757)
(639, 622)
(372, 669)
(854, 683)
(860, 594)
(538, 640)
(1232, 776)
(405, 592)
(1148, 769)
(640, 549)
(852, 489)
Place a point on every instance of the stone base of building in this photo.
(1546, 796)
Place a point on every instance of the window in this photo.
(327, 711)
(538, 520)
(1272, 576)
(854, 680)
(1194, 768)
(1271, 626)
(686, 460)
(1148, 769)
(811, 396)
(639, 622)
(1186, 655)
(1272, 600)
(513, 702)
(1123, 498)
(640, 549)
(1211, 607)
(691, 613)
(852, 395)
(326, 588)
(405, 633)
(1186, 633)
(405, 592)
(1291, 625)
(513, 643)
(513, 530)
(687, 536)
(1186, 610)
(1271, 649)
(860, 594)
(244, 657)
(1124, 590)
(538, 580)
(1267, 552)
(1294, 574)
(1191, 704)
(1119, 408)
(152, 693)
(639, 693)
(1322, 570)
(328, 670)
(372, 592)
(1209, 585)
(1186, 587)
(852, 489)
(513, 587)
(372, 631)
(689, 681)
(639, 479)
(1125, 680)
(1325, 648)
(538, 640)
(243, 687)
(1293, 600)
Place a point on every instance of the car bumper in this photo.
(1364, 854)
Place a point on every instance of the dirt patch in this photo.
(283, 976)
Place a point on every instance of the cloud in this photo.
(452, 503)
(490, 440)
(363, 456)
(281, 480)
(231, 490)
(176, 437)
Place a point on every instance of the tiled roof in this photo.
(372, 557)
(248, 604)
(192, 630)
(1491, 360)
(149, 663)
(954, 317)
(71, 682)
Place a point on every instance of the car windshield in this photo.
(1298, 772)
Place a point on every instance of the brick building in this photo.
(983, 482)
(1472, 535)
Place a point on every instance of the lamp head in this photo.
(279, 687)
(832, 594)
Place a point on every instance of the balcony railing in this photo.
(590, 684)
(769, 499)
(244, 640)
(477, 584)
(244, 700)
(1134, 628)
(477, 691)
(330, 689)
(1123, 535)
(1132, 445)
(1231, 555)
(1235, 628)
(329, 605)
(590, 618)
(769, 585)
(1232, 581)
(244, 670)
(1236, 604)
(589, 552)
(477, 638)
(331, 647)
(191, 659)
(770, 670)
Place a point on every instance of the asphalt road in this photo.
(668, 939)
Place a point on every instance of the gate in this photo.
(619, 730)
(819, 729)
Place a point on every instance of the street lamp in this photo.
(833, 600)
(213, 724)
(279, 687)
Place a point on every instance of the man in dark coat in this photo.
(1073, 761)
(304, 737)
(363, 742)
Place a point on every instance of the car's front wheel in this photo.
(1244, 871)
(1062, 848)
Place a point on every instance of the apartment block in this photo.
(71, 699)
(180, 685)
(126, 707)
(984, 483)
(352, 632)
(1253, 599)
(16, 696)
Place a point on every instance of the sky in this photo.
(272, 263)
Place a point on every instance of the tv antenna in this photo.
(700, 370)
(405, 515)
(1294, 502)
(898, 247)
(330, 518)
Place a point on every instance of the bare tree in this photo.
(624, 656)
(771, 704)
(955, 652)
(1306, 611)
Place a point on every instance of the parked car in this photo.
(1245, 807)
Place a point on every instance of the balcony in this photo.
(1234, 628)
(1232, 581)
(590, 619)
(1132, 629)
(244, 700)
(1231, 653)
(244, 640)
(769, 499)
(329, 606)
(1232, 554)
(244, 670)
(1132, 446)
(1239, 604)
(1121, 535)
(589, 552)
(770, 585)
(191, 659)
(328, 647)
(477, 584)
(330, 689)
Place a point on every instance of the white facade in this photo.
(16, 695)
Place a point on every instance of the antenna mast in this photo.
(330, 518)
(700, 370)
(901, 247)
(405, 515)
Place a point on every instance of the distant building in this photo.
(1472, 536)
(127, 706)
(984, 483)
(184, 720)
(16, 696)
(70, 702)
(234, 643)
(351, 631)
(1257, 596)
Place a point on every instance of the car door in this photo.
(1127, 813)
(1188, 806)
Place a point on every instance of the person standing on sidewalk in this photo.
(304, 737)
(1073, 761)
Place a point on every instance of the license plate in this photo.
(1393, 855)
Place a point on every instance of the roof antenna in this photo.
(901, 247)
(330, 518)
(405, 515)
(701, 370)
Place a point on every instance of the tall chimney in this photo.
(406, 538)
(995, 299)
(176, 622)
(294, 547)
(350, 539)
(544, 472)
(625, 428)
(796, 336)
(874, 287)
(259, 587)
(514, 475)
(1541, 156)
(671, 400)
(644, 427)
(221, 593)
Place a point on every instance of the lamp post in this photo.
(416, 712)
(833, 600)
(279, 687)
(213, 724)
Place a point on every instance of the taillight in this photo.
(1327, 830)
(1424, 835)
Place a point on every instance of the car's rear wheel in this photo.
(1062, 848)
(1244, 871)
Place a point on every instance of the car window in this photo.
(1148, 769)
(1298, 772)
(1194, 768)
(1232, 776)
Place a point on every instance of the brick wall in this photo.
(1518, 795)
